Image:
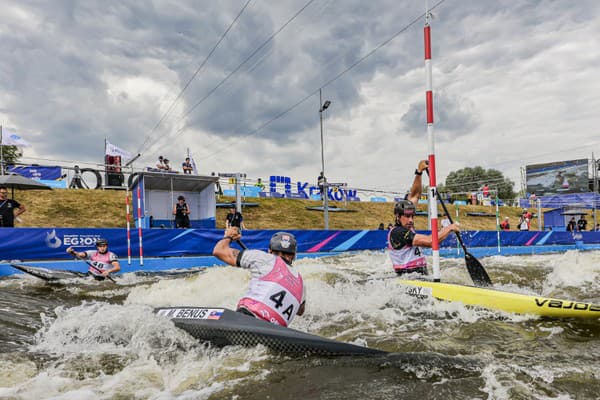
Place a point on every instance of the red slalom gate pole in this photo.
(433, 212)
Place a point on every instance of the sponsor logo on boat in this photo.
(566, 305)
(419, 292)
(191, 313)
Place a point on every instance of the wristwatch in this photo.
(418, 173)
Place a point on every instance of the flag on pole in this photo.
(12, 139)
(194, 169)
(112, 150)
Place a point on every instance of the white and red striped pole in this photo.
(139, 207)
(433, 212)
(128, 228)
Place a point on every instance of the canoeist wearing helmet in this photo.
(103, 262)
(276, 292)
(404, 244)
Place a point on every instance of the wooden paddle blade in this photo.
(477, 272)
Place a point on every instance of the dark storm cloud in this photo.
(453, 117)
(74, 73)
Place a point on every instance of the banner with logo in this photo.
(51, 243)
(38, 172)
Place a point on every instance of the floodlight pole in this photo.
(324, 193)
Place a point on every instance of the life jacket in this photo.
(407, 259)
(276, 296)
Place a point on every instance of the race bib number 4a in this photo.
(191, 313)
(419, 292)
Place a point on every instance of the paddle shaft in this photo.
(94, 267)
(462, 244)
(474, 267)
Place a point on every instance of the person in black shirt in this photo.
(187, 166)
(7, 209)
(321, 183)
(181, 212)
(572, 225)
(234, 218)
(582, 223)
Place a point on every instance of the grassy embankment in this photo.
(106, 208)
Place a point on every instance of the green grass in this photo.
(106, 209)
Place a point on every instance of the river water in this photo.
(90, 340)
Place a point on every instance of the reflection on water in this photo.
(83, 339)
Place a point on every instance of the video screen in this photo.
(557, 177)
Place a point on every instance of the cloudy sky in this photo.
(515, 82)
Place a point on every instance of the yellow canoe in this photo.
(503, 301)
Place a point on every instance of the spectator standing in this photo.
(581, 223)
(187, 166)
(486, 191)
(9, 209)
(597, 227)
(381, 227)
(234, 218)
(260, 184)
(321, 182)
(181, 211)
(218, 189)
(572, 225)
(532, 200)
(474, 198)
(76, 181)
(505, 225)
(523, 223)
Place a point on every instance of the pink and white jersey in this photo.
(276, 289)
(103, 262)
(407, 257)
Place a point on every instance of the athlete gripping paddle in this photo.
(102, 262)
(276, 292)
(404, 244)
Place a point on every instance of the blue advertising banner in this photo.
(51, 243)
(38, 172)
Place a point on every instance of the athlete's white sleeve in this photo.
(258, 262)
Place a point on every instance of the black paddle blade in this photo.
(477, 272)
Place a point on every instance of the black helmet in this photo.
(404, 207)
(101, 242)
(283, 242)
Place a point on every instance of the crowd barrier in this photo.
(51, 243)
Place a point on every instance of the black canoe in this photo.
(48, 274)
(223, 327)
